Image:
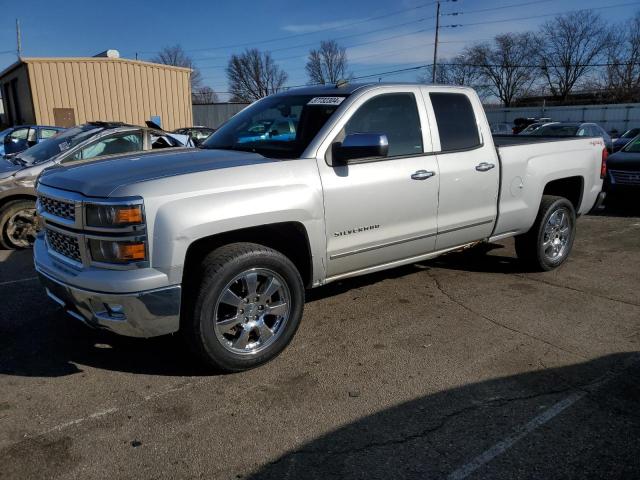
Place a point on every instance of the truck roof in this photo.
(348, 88)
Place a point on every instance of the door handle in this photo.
(484, 167)
(422, 175)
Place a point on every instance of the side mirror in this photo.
(360, 145)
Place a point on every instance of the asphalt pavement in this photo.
(461, 367)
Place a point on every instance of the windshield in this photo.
(276, 127)
(532, 128)
(628, 134)
(47, 149)
(633, 146)
(557, 131)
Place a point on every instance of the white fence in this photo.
(618, 117)
(213, 115)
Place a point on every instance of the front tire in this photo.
(247, 307)
(17, 224)
(548, 244)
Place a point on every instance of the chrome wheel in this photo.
(20, 228)
(252, 310)
(557, 235)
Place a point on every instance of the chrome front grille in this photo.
(66, 245)
(59, 208)
(625, 177)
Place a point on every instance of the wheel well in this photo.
(13, 198)
(288, 238)
(570, 188)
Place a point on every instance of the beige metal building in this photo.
(71, 91)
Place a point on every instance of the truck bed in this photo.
(508, 140)
(530, 162)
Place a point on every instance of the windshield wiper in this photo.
(18, 161)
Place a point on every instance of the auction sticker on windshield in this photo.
(326, 101)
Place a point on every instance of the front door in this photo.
(379, 210)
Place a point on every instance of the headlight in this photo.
(114, 215)
(121, 252)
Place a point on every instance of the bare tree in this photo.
(504, 65)
(253, 75)
(204, 95)
(568, 46)
(622, 76)
(328, 64)
(458, 70)
(176, 56)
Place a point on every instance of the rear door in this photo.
(468, 165)
(380, 210)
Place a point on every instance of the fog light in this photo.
(112, 251)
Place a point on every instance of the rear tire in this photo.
(17, 224)
(246, 308)
(549, 242)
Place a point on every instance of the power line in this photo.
(513, 5)
(297, 35)
(377, 30)
(355, 59)
(378, 40)
(531, 17)
(426, 65)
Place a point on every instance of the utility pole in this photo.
(435, 45)
(18, 39)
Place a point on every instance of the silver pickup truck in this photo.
(298, 190)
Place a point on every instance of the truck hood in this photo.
(624, 161)
(7, 168)
(100, 178)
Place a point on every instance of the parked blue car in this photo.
(16, 139)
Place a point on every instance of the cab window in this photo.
(456, 121)
(394, 115)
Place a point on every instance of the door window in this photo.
(456, 121)
(159, 140)
(19, 134)
(131, 142)
(47, 133)
(394, 115)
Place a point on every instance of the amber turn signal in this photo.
(132, 214)
(132, 251)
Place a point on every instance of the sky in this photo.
(380, 36)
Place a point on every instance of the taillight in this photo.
(603, 165)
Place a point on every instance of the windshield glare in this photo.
(631, 133)
(275, 127)
(557, 131)
(62, 142)
(633, 146)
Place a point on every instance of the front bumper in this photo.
(141, 313)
